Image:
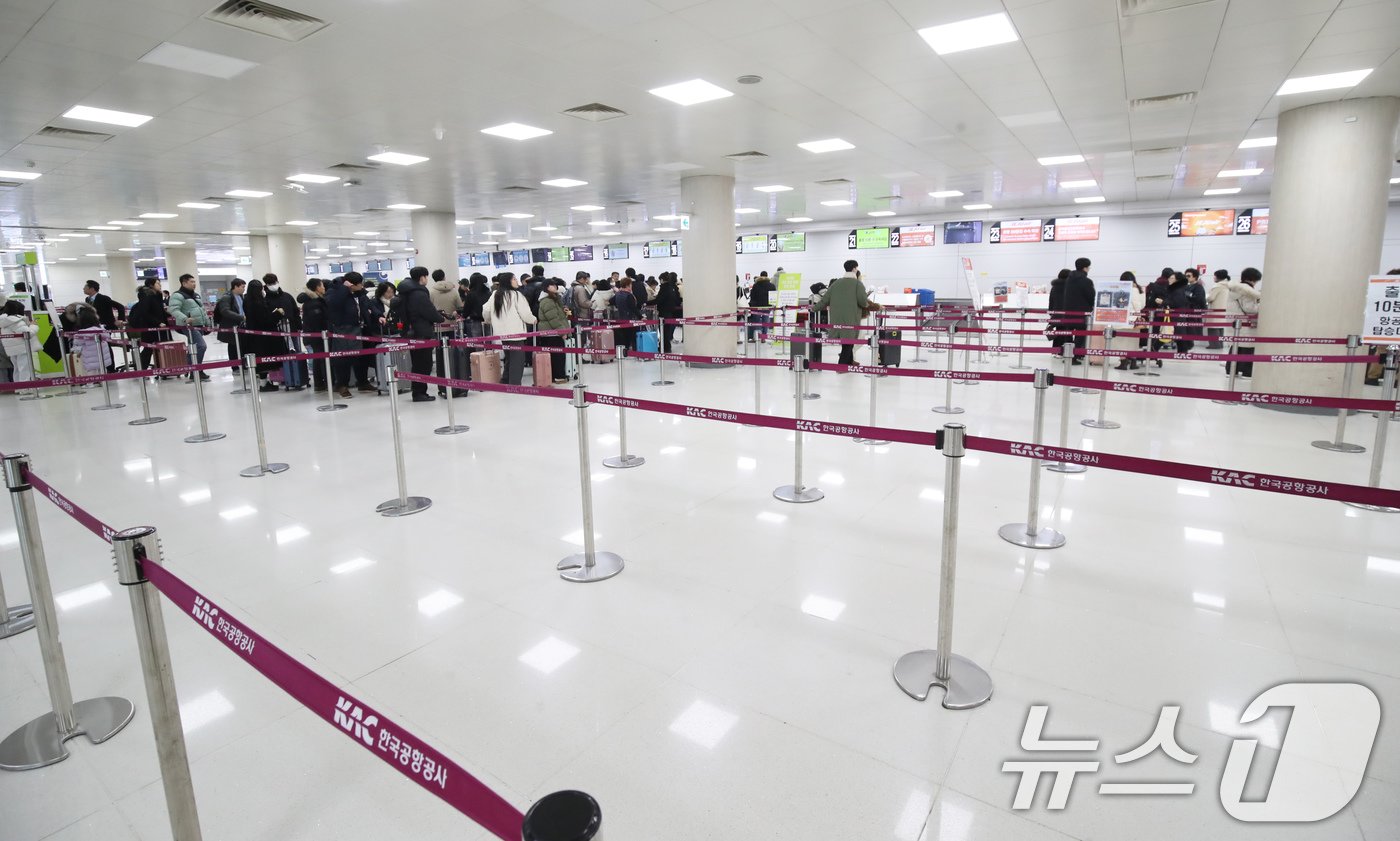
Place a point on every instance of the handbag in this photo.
(1166, 332)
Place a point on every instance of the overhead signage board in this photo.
(751, 244)
(962, 233)
(1201, 223)
(1071, 229)
(1014, 230)
(662, 248)
(787, 243)
(918, 236)
(481, 258)
(1252, 221)
(580, 253)
(863, 238)
(617, 251)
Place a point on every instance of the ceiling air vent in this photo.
(629, 201)
(1143, 7)
(1153, 103)
(218, 199)
(889, 198)
(266, 19)
(353, 167)
(1160, 150)
(595, 112)
(1148, 179)
(488, 218)
(7, 184)
(68, 138)
(517, 188)
(834, 182)
(746, 156)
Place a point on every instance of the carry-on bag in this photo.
(889, 354)
(646, 341)
(602, 344)
(571, 360)
(172, 354)
(543, 368)
(486, 366)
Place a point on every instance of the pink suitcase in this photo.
(602, 343)
(542, 367)
(486, 366)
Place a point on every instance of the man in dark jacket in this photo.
(1058, 322)
(1158, 292)
(1079, 303)
(313, 320)
(109, 312)
(420, 315)
(760, 300)
(533, 287)
(148, 312)
(343, 314)
(1179, 301)
(228, 314)
(668, 306)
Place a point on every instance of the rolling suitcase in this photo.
(293, 372)
(889, 354)
(402, 364)
(646, 341)
(172, 354)
(543, 369)
(571, 359)
(486, 366)
(602, 344)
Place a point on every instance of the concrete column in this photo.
(179, 261)
(262, 261)
(435, 237)
(288, 258)
(121, 278)
(1326, 222)
(707, 260)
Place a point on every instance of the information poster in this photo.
(1382, 325)
(919, 236)
(1017, 230)
(789, 289)
(1001, 292)
(863, 238)
(1201, 223)
(1071, 229)
(1252, 221)
(1021, 294)
(971, 280)
(1113, 303)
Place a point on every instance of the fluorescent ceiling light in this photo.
(945, 194)
(103, 228)
(495, 233)
(1078, 185)
(104, 115)
(834, 144)
(346, 247)
(178, 57)
(241, 248)
(668, 217)
(545, 228)
(517, 240)
(358, 253)
(1057, 160)
(312, 178)
(22, 176)
(586, 207)
(1223, 191)
(488, 242)
(67, 259)
(880, 213)
(773, 188)
(300, 223)
(384, 251)
(159, 215)
(1089, 199)
(1325, 82)
(517, 216)
(516, 131)
(172, 242)
(561, 236)
(692, 92)
(970, 34)
(1259, 142)
(319, 250)
(836, 203)
(128, 249)
(600, 224)
(199, 205)
(564, 182)
(1395, 180)
(398, 158)
(234, 233)
(248, 194)
(376, 244)
(663, 230)
(366, 233)
(747, 210)
(1239, 173)
(977, 207)
(466, 221)
(94, 255)
(403, 206)
(799, 218)
(131, 222)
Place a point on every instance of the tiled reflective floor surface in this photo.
(734, 682)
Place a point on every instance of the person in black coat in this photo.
(314, 320)
(669, 305)
(148, 312)
(760, 299)
(1178, 302)
(1154, 310)
(109, 312)
(1079, 304)
(1057, 306)
(263, 315)
(420, 317)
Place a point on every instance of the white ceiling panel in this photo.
(1062, 16)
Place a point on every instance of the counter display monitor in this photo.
(1252, 222)
(662, 248)
(962, 233)
(1201, 223)
(751, 244)
(1071, 229)
(617, 251)
(558, 254)
(1015, 230)
(481, 258)
(869, 238)
(500, 258)
(519, 256)
(918, 236)
(463, 261)
(787, 243)
(312, 269)
(540, 255)
(580, 253)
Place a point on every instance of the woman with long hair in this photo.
(262, 315)
(507, 313)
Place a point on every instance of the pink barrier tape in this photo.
(70, 508)
(375, 732)
(421, 344)
(540, 349)
(924, 373)
(710, 360)
(509, 337)
(1335, 491)
(473, 385)
(1258, 398)
(1225, 357)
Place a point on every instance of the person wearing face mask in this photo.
(280, 300)
(343, 313)
(508, 313)
(421, 316)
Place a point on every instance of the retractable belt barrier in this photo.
(1301, 400)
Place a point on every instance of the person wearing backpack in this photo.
(553, 316)
(625, 302)
(846, 301)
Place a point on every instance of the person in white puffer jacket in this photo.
(14, 326)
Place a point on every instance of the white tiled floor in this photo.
(734, 682)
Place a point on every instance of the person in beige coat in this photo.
(1218, 298)
(443, 292)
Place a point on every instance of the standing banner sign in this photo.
(971, 279)
(1113, 303)
(1021, 294)
(789, 291)
(1382, 325)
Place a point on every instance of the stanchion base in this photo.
(21, 619)
(1381, 509)
(1064, 467)
(575, 568)
(1019, 367)
(563, 816)
(1339, 448)
(258, 470)
(242, 391)
(1019, 534)
(109, 407)
(39, 743)
(145, 421)
(455, 429)
(792, 493)
(664, 382)
(809, 397)
(623, 462)
(949, 410)
(1146, 374)
(870, 441)
(331, 407)
(1226, 402)
(1077, 390)
(38, 396)
(1098, 424)
(204, 438)
(411, 505)
(968, 382)
(967, 686)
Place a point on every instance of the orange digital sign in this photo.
(1202, 223)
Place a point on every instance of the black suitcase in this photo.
(889, 354)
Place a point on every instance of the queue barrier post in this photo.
(563, 816)
(1000, 313)
(1021, 341)
(403, 505)
(967, 356)
(1100, 423)
(263, 467)
(14, 620)
(623, 459)
(965, 684)
(1383, 419)
(1152, 346)
(452, 428)
(874, 385)
(69, 371)
(660, 360)
(34, 393)
(243, 370)
(1067, 355)
(797, 492)
(40, 742)
(331, 405)
(918, 333)
(1337, 445)
(1029, 534)
(204, 435)
(146, 417)
(800, 350)
(948, 408)
(757, 390)
(132, 547)
(981, 346)
(1233, 367)
(590, 565)
(107, 403)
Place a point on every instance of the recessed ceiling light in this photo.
(609, 233)
(977, 207)
(747, 210)
(1089, 199)
(22, 176)
(970, 34)
(564, 182)
(234, 233)
(366, 233)
(248, 194)
(834, 144)
(159, 215)
(495, 233)
(172, 242)
(663, 230)
(586, 207)
(103, 228)
(178, 57)
(1239, 173)
(313, 178)
(319, 250)
(398, 158)
(1223, 191)
(466, 221)
(104, 115)
(561, 236)
(945, 194)
(517, 216)
(404, 206)
(799, 218)
(128, 249)
(84, 236)
(516, 131)
(668, 217)
(384, 251)
(94, 255)
(692, 92)
(1078, 185)
(1058, 160)
(600, 224)
(300, 223)
(127, 222)
(346, 247)
(376, 244)
(773, 188)
(517, 240)
(1258, 142)
(880, 213)
(357, 253)
(1325, 82)
(545, 228)
(836, 203)
(199, 205)
(67, 259)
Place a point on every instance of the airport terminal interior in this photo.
(1008, 450)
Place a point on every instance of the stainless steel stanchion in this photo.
(948, 408)
(1020, 341)
(660, 349)
(1083, 326)
(1067, 353)
(40, 742)
(1382, 425)
(403, 505)
(33, 393)
(1029, 534)
(146, 417)
(204, 435)
(981, 360)
(14, 620)
(1337, 445)
(452, 428)
(331, 405)
(133, 547)
(1152, 346)
(918, 334)
(68, 370)
(243, 371)
(564, 816)
(965, 684)
(967, 358)
(263, 467)
(1234, 367)
(997, 353)
(798, 492)
(757, 390)
(589, 565)
(107, 403)
(623, 459)
(875, 354)
(798, 350)
(874, 384)
(1100, 423)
